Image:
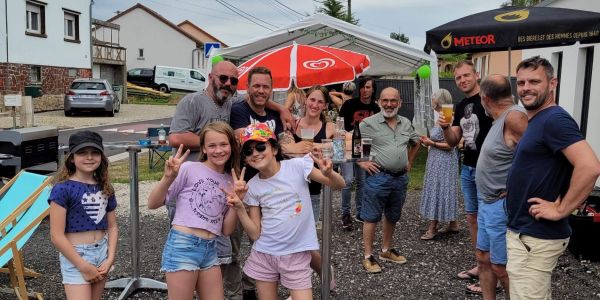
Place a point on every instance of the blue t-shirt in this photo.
(242, 116)
(540, 169)
(86, 205)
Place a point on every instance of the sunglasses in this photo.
(223, 79)
(259, 147)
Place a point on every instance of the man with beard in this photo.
(471, 123)
(193, 112)
(395, 145)
(553, 172)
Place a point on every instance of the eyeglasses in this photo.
(260, 147)
(223, 79)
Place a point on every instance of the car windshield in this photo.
(88, 86)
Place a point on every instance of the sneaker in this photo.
(358, 219)
(371, 265)
(392, 255)
(347, 222)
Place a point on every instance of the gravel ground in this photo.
(429, 273)
(128, 113)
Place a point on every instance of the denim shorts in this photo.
(187, 252)
(383, 193)
(491, 230)
(469, 189)
(95, 253)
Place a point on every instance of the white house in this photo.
(45, 44)
(151, 39)
(579, 65)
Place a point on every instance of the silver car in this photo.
(91, 94)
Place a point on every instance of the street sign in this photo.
(12, 100)
(208, 46)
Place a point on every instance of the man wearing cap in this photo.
(394, 145)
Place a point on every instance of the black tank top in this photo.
(313, 186)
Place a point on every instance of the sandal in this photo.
(466, 275)
(428, 236)
(475, 289)
(448, 230)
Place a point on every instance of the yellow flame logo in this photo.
(447, 41)
(513, 16)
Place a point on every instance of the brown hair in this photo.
(67, 169)
(465, 63)
(536, 62)
(259, 70)
(225, 129)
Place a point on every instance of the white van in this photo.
(167, 78)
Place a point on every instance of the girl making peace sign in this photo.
(190, 256)
(280, 219)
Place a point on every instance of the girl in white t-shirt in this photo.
(279, 219)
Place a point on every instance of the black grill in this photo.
(27, 147)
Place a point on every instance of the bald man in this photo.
(395, 145)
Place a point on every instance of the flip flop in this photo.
(428, 236)
(469, 289)
(466, 275)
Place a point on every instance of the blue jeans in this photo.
(94, 253)
(469, 189)
(384, 194)
(352, 171)
(187, 252)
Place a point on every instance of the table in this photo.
(326, 249)
(135, 282)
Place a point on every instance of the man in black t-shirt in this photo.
(471, 124)
(355, 110)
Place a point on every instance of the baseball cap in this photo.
(85, 138)
(259, 132)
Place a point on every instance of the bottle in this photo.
(356, 147)
(162, 135)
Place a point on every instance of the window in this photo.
(149, 72)
(35, 18)
(72, 72)
(71, 26)
(196, 75)
(35, 74)
(140, 53)
(135, 72)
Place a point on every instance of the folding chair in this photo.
(18, 225)
(157, 154)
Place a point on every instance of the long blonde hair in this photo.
(223, 128)
(68, 169)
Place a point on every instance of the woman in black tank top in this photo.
(316, 103)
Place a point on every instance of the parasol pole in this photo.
(509, 78)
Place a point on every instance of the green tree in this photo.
(399, 37)
(336, 9)
(520, 3)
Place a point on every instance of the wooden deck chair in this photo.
(17, 195)
(14, 240)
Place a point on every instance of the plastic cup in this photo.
(327, 148)
(447, 110)
(307, 134)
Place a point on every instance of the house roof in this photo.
(159, 17)
(388, 56)
(201, 30)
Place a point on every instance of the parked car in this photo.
(167, 78)
(91, 94)
(141, 76)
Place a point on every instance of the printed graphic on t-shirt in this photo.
(470, 127)
(271, 123)
(281, 203)
(207, 200)
(359, 115)
(94, 205)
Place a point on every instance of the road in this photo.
(127, 132)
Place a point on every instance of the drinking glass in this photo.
(366, 147)
(327, 148)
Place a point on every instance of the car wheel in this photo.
(111, 113)
(118, 108)
(68, 113)
(163, 88)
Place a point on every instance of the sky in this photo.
(410, 17)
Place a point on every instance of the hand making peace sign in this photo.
(173, 164)
(325, 165)
(238, 190)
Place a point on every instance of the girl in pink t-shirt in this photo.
(201, 213)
